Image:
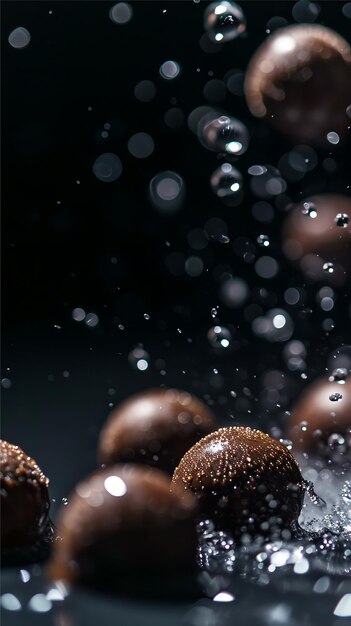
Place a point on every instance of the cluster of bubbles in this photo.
(89, 319)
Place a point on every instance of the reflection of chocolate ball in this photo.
(24, 499)
(323, 409)
(155, 427)
(244, 480)
(300, 80)
(311, 229)
(124, 520)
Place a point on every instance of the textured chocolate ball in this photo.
(244, 480)
(124, 520)
(322, 411)
(300, 80)
(318, 230)
(24, 499)
(154, 427)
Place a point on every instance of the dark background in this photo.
(59, 236)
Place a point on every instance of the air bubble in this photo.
(224, 21)
(310, 209)
(219, 337)
(223, 134)
(167, 191)
(342, 220)
(263, 241)
(19, 38)
(139, 359)
(107, 167)
(328, 267)
(226, 181)
(335, 397)
(339, 375)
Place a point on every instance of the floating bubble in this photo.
(342, 220)
(121, 13)
(167, 191)
(335, 440)
(335, 397)
(194, 266)
(6, 383)
(339, 375)
(305, 11)
(170, 70)
(267, 181)
(91, 320)
(266, 267)
(224, 134)
(263, 241)
(328, 267)
(224, 21)
(19, 38)
(141, 145)
(226, 180)
(333, 138)
(233, 292)
(275, 326)
(139, 359)
(219, 337)
(310, 209)
(145, 91)
(107, 167)
(78, 314)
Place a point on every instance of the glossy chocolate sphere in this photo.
(154, 427)
(300, 80)
(322, 411)
(244, 480)
(24, 499)
(312, 234)
(124, 520)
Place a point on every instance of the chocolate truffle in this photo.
(24, 499)
(124, 520)
(321, 414)
(245, 481)
(300, 80)
(154, 427)
(314, 235)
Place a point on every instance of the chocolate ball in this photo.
(124, 520)
(318, 231)
(154, 427)
(299, 79)
(24, 499)
(320, 422)
(245, 481)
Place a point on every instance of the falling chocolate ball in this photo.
(313, 237)
(300, 81)
(245, 481)
(154, 427)
(124, 520)
(24, 499)
(320, 422)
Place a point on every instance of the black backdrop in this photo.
(62, 226)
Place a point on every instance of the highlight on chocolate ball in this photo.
(176, 313)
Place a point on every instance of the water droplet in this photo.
(342, 220)
(219, 337)
(339, 375)
(226, 180)
(224, 21)
(328, 267)
(263, 241)
(310, 209)
(223, 134)
(335, 397)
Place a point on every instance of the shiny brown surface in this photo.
(319, 236)
(299, 79)
(155, 427)
(315, 417)
(242, 478)
(142, 528)
(24, 498)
